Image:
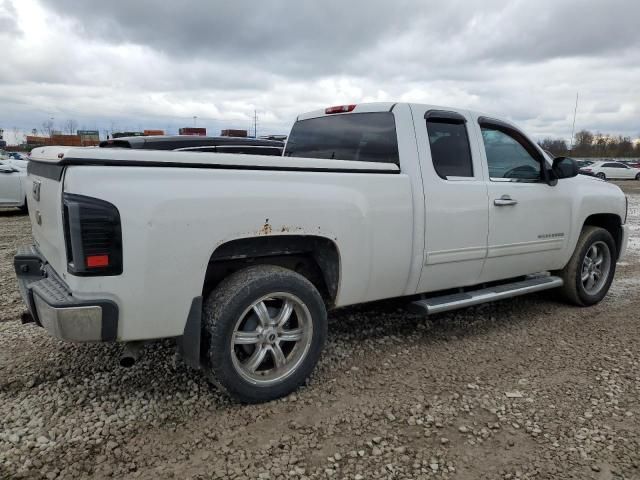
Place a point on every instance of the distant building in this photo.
(35, 141)
(87, 136)
(193, 131)
(60, 139)
(229, 132)
(127, 134)
(149, 133)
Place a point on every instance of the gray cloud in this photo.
(295, 35)
(8, 22)
(159, 63)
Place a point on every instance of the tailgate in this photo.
(43, 187)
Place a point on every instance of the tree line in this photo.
(588, 144)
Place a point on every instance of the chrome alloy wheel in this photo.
(271, 338)
(595, 267)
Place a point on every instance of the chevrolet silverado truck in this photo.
(239, 257)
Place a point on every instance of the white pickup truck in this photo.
(239, 257)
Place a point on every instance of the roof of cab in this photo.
(359, 108)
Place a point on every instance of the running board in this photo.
(453, 301)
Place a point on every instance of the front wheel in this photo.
(589, 273)
(638, 176)
(264, 327)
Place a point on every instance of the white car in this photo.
(238, 257)
(12, 176)
(612, 170)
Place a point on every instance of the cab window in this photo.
(450, 150)
(508, 158)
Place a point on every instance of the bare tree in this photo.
(48, 127)
(557, 146)
(70, 127)
(18, 135)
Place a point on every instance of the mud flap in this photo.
(188, 345)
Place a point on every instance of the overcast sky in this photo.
(135, 64)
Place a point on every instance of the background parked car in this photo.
(614, 170)
(584, 163)
(194, 143)
(12, 191)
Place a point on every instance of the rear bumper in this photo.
(54, 307)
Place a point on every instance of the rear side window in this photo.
(449, 148)
(364, 137)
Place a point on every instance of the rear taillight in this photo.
(339, 109)
(93, 236)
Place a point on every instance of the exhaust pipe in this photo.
(131, 353)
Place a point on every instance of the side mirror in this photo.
(565, 167)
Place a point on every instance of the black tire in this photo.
(601, 176)
(229, 307)
(24, 208)
(638, 176)
(574, 289)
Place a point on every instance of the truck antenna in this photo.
(255, 124)
(573, 129)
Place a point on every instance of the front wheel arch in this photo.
(611, 222)
(575, 290)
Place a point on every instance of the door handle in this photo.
(504, 200)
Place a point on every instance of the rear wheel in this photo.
(589, 273)
(601, 175)
(264, 328)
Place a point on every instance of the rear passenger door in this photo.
(456, 202)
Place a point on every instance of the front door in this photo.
(623, 171)
(529, 220)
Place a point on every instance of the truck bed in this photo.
(153, 158)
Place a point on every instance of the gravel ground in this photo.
(521, 389)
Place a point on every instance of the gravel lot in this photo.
(524, 388)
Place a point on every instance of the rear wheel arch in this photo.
(316, 258)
